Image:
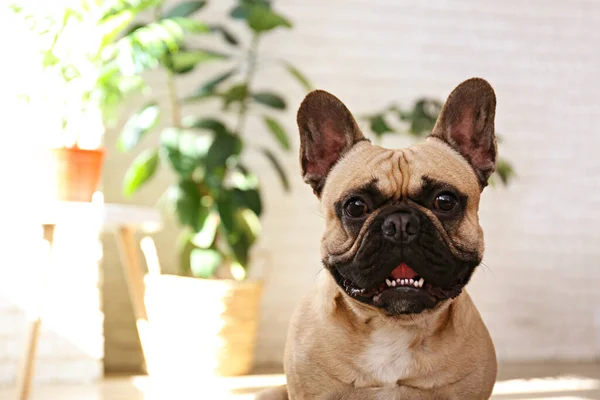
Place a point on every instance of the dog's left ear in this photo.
(327, 131)
(466, 123)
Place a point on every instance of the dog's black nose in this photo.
(401, 227)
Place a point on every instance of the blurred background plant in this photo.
(80, 85)
(417, 122)
(216, 197)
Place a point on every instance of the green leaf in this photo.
(184, 9)
(246, 228)
(210, 124)
(226, 34)
(187, 204)
(249, 198)
(236, 93)
(269, 99)
(225, 146)
(206, 233)
(138, 125)
(141, 170)
(278, 168)
(262, 19)
(423, 116)
(239, 12)
(191, 25)
(185, 150)
(208, 88)
(182, 62)
(277, 132)
(505, 171)
(226, 208)
(133, 28)
(204, 262)
(242, 10)
(299, 76)
(379, 126)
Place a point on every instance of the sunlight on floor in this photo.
(568, 387)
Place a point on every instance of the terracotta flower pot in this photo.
(201, 327)
(76, 173)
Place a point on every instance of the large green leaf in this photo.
(242, 10)
(299, 76)
(249, 198)
(278, 168)
(379, 126)
(206, 232)
(182, 62)
(204, 262)
(207, 89)
(138, 125)
(422, 117)
(225, 146)
(269, 99)
(278, 132)
(185, 150)
(190, 25)
(187, 204)
(504, 171)
(184, 9)
(261, 19)
(140, 171)
(226, 34)
(211, 124)
(246, 230)
(236, 93)
(226, 208)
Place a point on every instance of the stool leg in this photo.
(27, 366)
(135, 283)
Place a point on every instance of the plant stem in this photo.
(252, 58)
(171, 87)
(173, 99)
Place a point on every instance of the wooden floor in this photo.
(555, 381)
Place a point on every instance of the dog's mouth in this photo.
(402, 284)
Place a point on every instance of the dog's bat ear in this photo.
(466, 123)
(327, 131)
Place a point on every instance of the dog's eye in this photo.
(356, 208)
(445, 202)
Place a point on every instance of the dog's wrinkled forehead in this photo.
(401, 173)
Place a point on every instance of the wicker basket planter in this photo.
(201, 327)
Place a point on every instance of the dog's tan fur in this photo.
(339, 348)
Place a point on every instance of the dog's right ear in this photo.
(327, 131)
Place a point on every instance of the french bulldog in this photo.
(390, 317)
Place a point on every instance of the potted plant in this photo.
(417, 122)
(216, 197)
(80, 87)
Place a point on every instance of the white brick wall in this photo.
(539, 295)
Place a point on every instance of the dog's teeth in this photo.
(411, 281)
(398, 281)
(402, 281)
(387, 282)
(393, 283)
(421, 282)
(416, 283)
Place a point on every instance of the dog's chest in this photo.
(388, 357)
